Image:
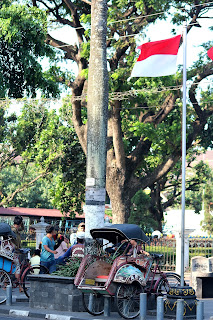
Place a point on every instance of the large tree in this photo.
(39, 149)
(142, 125)
(22, 44)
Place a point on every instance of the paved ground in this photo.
(20, 310)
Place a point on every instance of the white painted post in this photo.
(180, 309)
(200, 310)
(160, 308)
(9, 295)
(40, 231)
(186, 250)
(143, 306)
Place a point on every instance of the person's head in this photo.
(50, 230)
(59, 241)
(133, 243)
(80, 237)
(37, 252)
(18, 223)
(81, 227)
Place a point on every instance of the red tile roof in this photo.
(53, 213)
(39, 212)
(206, 157)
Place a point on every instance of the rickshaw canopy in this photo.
(5, 230)
(117, 232)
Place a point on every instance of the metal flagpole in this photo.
(183, 152)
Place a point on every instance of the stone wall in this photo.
(202, 276)
(56, 293)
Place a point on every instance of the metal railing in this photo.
(200, 247)
(167, 247)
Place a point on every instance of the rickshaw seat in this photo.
(101, 278)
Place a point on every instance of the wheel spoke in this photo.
(127, 300)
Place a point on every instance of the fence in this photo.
(200, 247)
(28, 240)
(167, 247)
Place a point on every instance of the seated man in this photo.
(138, 248)
(76, 250)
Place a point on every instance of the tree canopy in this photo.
(144, 117)
(42, 163)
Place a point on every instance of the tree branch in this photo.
(117, 135)
(9, 198)
(206, 71)
(71, 51)
(86, 1)
(76, 21)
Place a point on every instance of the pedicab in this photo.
(118, 275)
(122, 275)
(7, 266)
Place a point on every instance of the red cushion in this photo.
(102, 277)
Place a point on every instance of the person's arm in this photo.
(67, 242)
(143, 251)
(64, 246)
(49, 250)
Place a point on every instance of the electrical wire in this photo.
(135, 18)
(4, 103)
(133, 91)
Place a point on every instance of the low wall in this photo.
(54, 292)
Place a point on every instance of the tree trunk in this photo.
(97, 107)
(156, 209)
(117, 189)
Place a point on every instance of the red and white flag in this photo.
(158, 58)
(210, 53)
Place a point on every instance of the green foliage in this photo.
(22, 42)
(70, 269)
(36, 196)
(51, 172)
(140, 214)
(207, 223)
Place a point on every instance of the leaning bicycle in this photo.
(8, 267)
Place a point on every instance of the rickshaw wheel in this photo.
(164, 285)
(93, 303)
(127, 300)
(33, 270)
(4, 282)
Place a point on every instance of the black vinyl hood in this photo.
(118, 232)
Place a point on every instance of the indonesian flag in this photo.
(158, 58)
(210, 53)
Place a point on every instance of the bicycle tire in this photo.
(127, 300)
(164, 285)
(93, 303)
(31, 271)
(4, 282)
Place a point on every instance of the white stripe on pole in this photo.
(183, 152)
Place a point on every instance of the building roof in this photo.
(206, 157)
(37, 212)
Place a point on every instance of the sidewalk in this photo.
(20, 307)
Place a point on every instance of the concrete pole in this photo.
(97, 116)
(143, 306)
(160, 308)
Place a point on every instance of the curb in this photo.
(48, 316)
